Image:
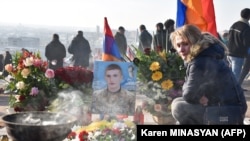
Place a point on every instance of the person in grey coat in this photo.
(145, 38)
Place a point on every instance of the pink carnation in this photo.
(50, 73)
(8, 67)
(37, 62)
(157, 107)
(34, 91)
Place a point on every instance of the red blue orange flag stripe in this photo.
(110, 48)
(198, 12)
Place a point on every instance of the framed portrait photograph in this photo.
(114, 88)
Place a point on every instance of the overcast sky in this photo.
(91, 13)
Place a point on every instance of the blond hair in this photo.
(197, 39)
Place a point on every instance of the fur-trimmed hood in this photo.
(207, 41)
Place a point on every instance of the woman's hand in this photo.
(203, 101)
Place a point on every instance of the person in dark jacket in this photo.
(239, 42)
(208, 81)
(169, 28)
(55, 52)
(121, 41)
(81, 50)
(1, 62)
(245, 69)
(145, 38)
(159, 39)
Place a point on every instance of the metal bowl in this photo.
(38, 126)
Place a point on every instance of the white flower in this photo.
(150, 83)
(133, 137)
(154, 89)
(157, 85)
(97, 133)
(28, 61)
(17, 98)
(159, 91)
(92, 135)
(163, 96)
(151, 101)
(169, 98)
(157, 97)
(76, 127)
(119, 125)
(20, 85)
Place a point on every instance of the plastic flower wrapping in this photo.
(104, 130)
(31, 82)
(161, 75)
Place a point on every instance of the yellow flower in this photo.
(154, 66)
(160, 71)
(156, 76)
(167, 84)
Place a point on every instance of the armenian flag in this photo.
(110, 48)
(198, 12)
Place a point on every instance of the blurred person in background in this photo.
(169, 28)
(55, 52)
(7, 60)
(246, 64)
(224, 37)
(1, 70)
(1, 63)
(145, 38)
(245, 70)
(80, 49)
(121, 41)
(239, 42)
(159, 39)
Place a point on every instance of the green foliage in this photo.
(161, 75)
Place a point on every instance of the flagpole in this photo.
(137, 35)
(154, 42)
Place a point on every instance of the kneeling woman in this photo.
(209, 81)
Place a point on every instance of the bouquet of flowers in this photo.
(31, 82)
(76, 77)
(161, 75)
(104, 131)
